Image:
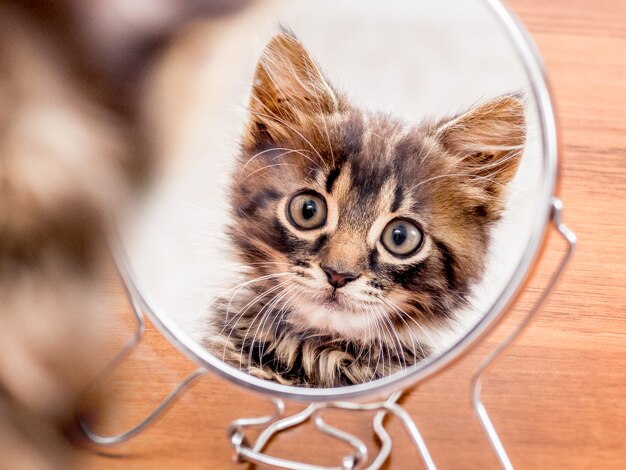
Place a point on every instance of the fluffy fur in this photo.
(73, 146)
(286, 322)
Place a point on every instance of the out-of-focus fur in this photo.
(285, 322)
(61, 169)
(72, 144)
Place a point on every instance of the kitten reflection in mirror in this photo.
(361, 234)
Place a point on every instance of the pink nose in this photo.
(338, 280)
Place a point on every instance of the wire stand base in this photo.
(277, 422)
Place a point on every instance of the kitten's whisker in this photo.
(274, 118)
(300, 294)
(462, 299)
(394, 306)
(299, 291)
(371, 341)
(279, 316)
(274, 165)
(285, 123)
(239, 287)
(400, 351)
(431, 147)
(386, 348)
(389, 328)
(387, 340)
(243, 342)
(265, 310)
(252, 281)
(287, 151)
(381, 357)
(268, 263)
(363, 312)
(414, 341)
(240, 315)
(275, 315)
(257, 279)
(499, 164)
(254, 300)
(471, 176)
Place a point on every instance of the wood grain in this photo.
(558, 398)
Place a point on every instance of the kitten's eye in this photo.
(402, 237)
(307, 211)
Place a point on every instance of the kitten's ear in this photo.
(488, 140)
(287, 86)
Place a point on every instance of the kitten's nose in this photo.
(338, 280)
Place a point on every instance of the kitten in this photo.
(360, 233)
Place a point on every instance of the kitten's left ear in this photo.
(488, 140)
(287, 86)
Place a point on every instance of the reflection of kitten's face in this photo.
(374, 225)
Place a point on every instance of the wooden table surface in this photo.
(558, 397)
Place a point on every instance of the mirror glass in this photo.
(350, 185)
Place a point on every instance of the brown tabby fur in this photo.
(72, 143)
(447, 175)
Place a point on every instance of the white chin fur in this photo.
(335, 321)
(367, 325)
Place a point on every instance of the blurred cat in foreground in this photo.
(73, 142)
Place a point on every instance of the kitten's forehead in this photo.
(362, 195)
(376, 160)
(370, 137)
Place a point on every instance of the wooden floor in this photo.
(558, 398)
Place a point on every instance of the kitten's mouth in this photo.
(335, 313)
(331, 300)
(334, 299)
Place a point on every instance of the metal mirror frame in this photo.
(428, 367)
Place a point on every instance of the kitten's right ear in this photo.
(287, 86)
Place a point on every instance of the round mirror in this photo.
(356, 191)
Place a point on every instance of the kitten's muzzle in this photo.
(337, 279)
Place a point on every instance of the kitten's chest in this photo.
(261, 339)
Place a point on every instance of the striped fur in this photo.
(287, 323)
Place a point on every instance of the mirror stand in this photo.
(277, 422)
